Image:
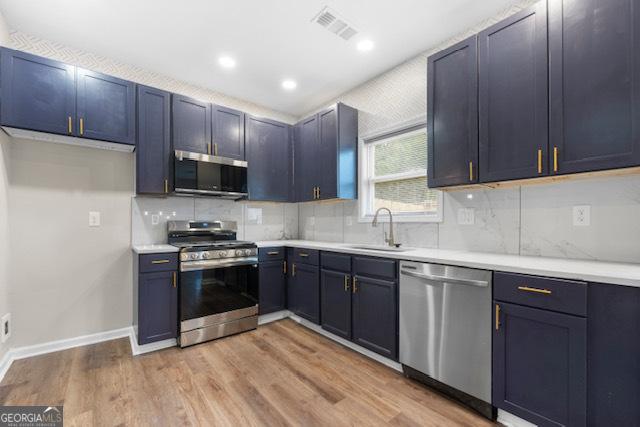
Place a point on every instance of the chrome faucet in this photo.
(388, 240)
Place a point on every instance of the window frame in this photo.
(366, 181)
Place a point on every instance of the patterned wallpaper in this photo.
(60, 52)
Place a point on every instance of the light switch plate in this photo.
(94, 219)
(466, 216)
(582, 216)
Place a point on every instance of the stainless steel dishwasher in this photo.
(445, 330)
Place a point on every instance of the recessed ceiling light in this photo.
(365, 45)
(289, 84)
(227, 62)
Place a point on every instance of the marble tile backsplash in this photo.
(532, 220)
(256, 221)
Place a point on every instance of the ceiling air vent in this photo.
(330, 20)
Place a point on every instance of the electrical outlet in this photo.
(94, 219)
(582, 216)
(466, 216)
(5, 324)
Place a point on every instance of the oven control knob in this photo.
(248, 252)
(194, 256)
(222, 254)
(239, 252)
(205, 255)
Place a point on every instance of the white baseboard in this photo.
(137, 349)
(510, 420)
(272, 317)
(370, 354)
(18, 353)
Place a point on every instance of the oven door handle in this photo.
(216, 263)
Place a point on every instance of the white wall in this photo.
(529, 220)
(5, 306)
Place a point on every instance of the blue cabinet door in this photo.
(190, 124)
(228, 132)
(268, 152)
(157, 307)
(154, 141)
(273, 289)
(327, 154)
(594, 64)
(613, 327)
(540, 365)
(106, 107)
(37, 93)
(452, 115)
(304, 291)
(307, 163)
(512, 57)
(335, 291)
(375, 315)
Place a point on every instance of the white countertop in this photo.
(590, 271)
(153, 249)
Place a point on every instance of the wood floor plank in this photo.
(281, 374)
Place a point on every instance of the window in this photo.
(395, 176)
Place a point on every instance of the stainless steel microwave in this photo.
(205, 175)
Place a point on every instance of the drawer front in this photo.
(336, 262)
(158, 262)
(306, 256)
(566, 296)
(271, 254)
(375, 267)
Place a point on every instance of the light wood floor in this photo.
(280, 374)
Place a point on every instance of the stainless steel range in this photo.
(218, 280)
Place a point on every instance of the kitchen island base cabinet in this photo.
(540, 365)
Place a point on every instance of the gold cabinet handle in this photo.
(81, 126)
(318, 193)
(69, 124)
(159, 261)
(539, 160)
(346, 283)
(354, 288)
(273, 253)
(284, 267)
(166, 186)
(175, 279)
(215, 149)
(534, 290)
(497, 317)
(555, 159)
(293, 270)
(303, 254)
(470, 171)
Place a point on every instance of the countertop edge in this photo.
(585, 270)
(153, 249)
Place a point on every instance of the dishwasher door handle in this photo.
(479, 283)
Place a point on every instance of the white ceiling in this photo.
(270, 39)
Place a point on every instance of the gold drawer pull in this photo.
(354, 288)
(166, 186)
(303, 255)
(81, 126)
(555, 159)
(273, 253)
(470, 171)
(284, 267)
(69, 125)
(539, 161)
(497, 317)
(175, 279)
(346, 283)
(535, 290)
(293, 270)
(160, 261)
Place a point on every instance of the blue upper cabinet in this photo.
(513, 113)
(37, 93)
(105, 107)
(594, 76)
(452, 115)
(153, 152)
(190, 124)
(326, 156)
(228, 132)
(268, 145)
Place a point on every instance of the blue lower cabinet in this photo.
(375, 315)
(540, 365)
(157, 306)
(335, 291)
(273, 286)
(613, 327)
(303, 291)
